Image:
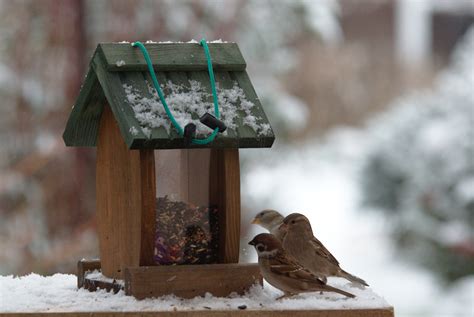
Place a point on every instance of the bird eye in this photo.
(293, 222)
(261, 214)
(260, 248)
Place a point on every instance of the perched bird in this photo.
(271, 220)
(283, 272)
(300, 243)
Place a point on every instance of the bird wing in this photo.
(283, 264)
(323, 252)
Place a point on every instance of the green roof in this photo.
(118, 77)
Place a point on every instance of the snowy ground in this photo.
(321, 181)
(58, 293)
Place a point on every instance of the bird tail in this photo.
(352, 278)
(337, 290)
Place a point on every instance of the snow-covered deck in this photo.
(59, 294)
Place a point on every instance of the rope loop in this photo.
(175, 123)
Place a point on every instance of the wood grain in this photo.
(148, 205)
(83, 123)
(383, 312)
(125, 184)
(225, 193)
(176, 57)
(189, 281)
(114, 91)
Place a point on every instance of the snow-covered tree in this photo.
(421, 169)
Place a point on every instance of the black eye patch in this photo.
(260, 248)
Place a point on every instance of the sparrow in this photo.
(300, 243)
(283, 272)
(271, 220)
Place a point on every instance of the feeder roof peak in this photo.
(118, 77)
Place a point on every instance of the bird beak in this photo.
(256, 221)
(252, 243)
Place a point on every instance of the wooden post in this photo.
(225, 193)
(84, 266)
(188, 281)
(125, 181)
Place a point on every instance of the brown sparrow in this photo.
(271, 220)
(283, 272)
(300, 243)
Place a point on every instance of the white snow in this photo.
(133, 130)
(98, 276)
(185, 101)
(45, 142)
(59, 293)
(322, 17)
(217, 41)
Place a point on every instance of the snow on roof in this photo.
(59, 293)
(183, 102)
(138, 112)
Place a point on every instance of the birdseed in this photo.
(185, 234)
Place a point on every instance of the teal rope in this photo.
(157, 86)
(211, 77)
(175, 123)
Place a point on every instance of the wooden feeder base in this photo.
(185, 281)
(189, 281)
(221, 313)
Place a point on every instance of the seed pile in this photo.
(185, 234)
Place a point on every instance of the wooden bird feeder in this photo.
(168, 212)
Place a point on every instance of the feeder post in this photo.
(225, 193)
(125, 187)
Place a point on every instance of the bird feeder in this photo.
(168, 210)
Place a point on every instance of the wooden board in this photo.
(172, 56)
(189, 281)
(84, 266)
(225, 193)
(387, 312)
(125, 184)
(83, 124)
(148, 207)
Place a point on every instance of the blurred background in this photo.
(373, 107)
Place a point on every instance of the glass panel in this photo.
(186, 223)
